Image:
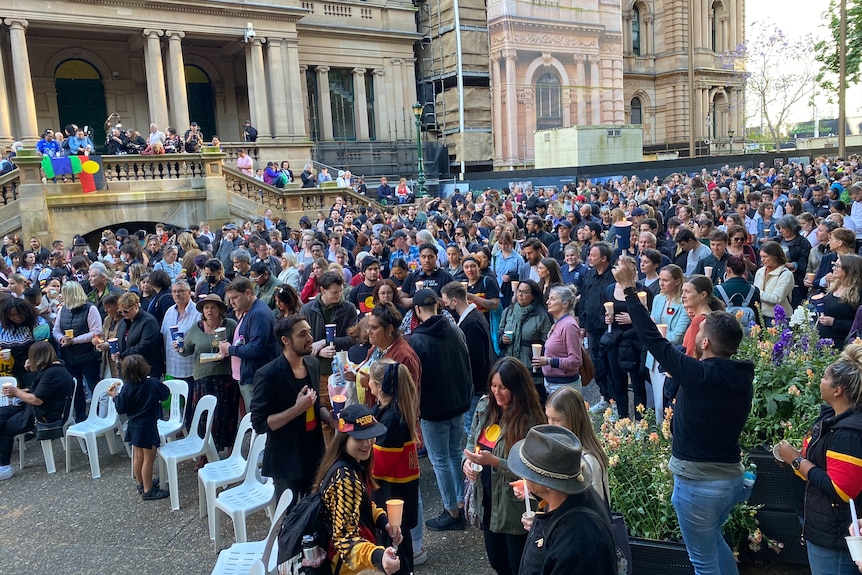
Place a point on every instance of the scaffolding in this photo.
(454, 79)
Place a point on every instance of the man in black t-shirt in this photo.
(429, 276)
(362, 291)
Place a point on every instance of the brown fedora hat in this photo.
(214, 298)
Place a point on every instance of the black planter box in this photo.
(650, 557)
(775, 486)
(783, 527)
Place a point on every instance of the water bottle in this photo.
(337, 371)
(309, 548)
(750, 476)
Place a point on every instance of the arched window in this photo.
(549, 107)
(636, 31)
(81, 98)
(637, 115)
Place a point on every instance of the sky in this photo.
(797, 18)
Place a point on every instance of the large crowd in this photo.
(468, 324)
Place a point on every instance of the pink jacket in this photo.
(564, 348)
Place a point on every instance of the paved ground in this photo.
(74, 524)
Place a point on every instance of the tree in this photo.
(826, 51)
(779, 76)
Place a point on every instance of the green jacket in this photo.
(534, 329)
(506, 509)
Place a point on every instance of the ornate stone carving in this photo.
(548, 39)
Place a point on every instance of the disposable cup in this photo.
(6, 354)
(330, 332)
(70, 333)
(854, 544)
(537, 349)
(419, 285)
(662, 329)
(707, 271)
(394, 511)
(775, 454)
(338, 402)
(810, 277)
(529, 516)
(220, 334)
(477, 467)
(115, 345)
(509, 333)
(642, 296)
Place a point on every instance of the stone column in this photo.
(698, 124)
(324, 105)
(566, 96)
(381, 106)
(6, 137)
(619, 109)
(155, 78)
(581, 82)
(257, 99)
(360, 104)
(295, 89)
(401, 130)
(177, 81)
(497, 105)
(275, 70)
(26, 104)
(512, 105)
(627, 38)
(595, 90)
(528, 99)
(707, 112)
(696, 33)
(607, 91)
(303, 79)
(409, 84)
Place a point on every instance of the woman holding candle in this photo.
(525, 322)
(344, 481)
(110, 324)
(502, 418)
(774, 281)
(841, 299)
(214, 377)
(667, 310)
(829, 463)
(623, 346)
(561, 362)
(396, 463)
(387, 342)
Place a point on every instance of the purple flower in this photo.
(824, 343)
(804, 342)
(780, 314)
(778, 352)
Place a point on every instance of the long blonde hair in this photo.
(852, 283)
(569, 402)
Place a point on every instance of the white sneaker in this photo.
(600, 407)
(7, 474)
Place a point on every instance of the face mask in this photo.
(212, 279)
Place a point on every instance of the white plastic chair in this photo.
(95, 426)
(169, 428)
(47, 444)
(190, 447)
(222, 473)
(256, 556)
(253, 494)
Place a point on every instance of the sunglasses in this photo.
(124, 311)
(739, 239)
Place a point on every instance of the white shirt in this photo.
(856, 215)
(694, 256)
(177, 365)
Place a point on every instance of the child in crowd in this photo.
(140, 398)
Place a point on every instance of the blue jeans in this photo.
(444, 442)
(468, 417)
(418, 532)
(826, 561)
(702, 507)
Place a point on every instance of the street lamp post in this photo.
(730, 135)
(417, 113)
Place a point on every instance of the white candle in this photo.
(527, 498)
(854, 517)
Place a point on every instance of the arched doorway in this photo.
(201, 98)
(81, 98)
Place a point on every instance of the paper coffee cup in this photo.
(419, 285)
(642, 296)
(775, 454)
(115, 345)
(394, 511)
(338, 402)
(509, 333)
(70, 333)
(537, 349)
(330, 332)
(854, 544)
(810, 277)
(707, 271)
(6, 354)
(662, 329)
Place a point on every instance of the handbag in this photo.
(587, 370)
(49, 430)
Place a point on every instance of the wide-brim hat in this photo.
(551, 456)
(211, 298)
(358, 422)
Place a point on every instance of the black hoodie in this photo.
(447, 382)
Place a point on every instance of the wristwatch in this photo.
(630, 291)
(797, 462)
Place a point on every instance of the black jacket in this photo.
(159, 305)
(835, 448)
(591, 312)
(293, 451)
(476, 331)
(700, 431)
(142, 336)
(447, 384)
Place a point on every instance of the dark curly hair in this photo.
(23, 307)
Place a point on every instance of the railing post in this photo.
(32, 201)
(218, 210)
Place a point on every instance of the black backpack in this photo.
(308, 517)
